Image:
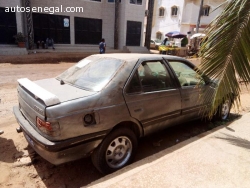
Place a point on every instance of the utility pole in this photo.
(199, 17)
(149, 23)
(116, 31)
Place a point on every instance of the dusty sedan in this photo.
(103, 104)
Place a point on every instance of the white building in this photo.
(75, 22)
(182, 15)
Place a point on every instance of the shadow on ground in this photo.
(9, 153)
(237, 141)
(82, 172)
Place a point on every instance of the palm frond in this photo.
(225, 52)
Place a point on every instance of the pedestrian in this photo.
(50, 42)
(102, 46)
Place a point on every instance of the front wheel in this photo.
(224, 110)
(116, 151)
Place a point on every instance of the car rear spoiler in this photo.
(39, 92)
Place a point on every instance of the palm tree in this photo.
(225, 52)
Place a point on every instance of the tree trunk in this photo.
(116, 31)
(29, 26)
(149, 23)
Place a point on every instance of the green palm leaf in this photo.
(225, 52)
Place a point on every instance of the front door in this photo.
(152, 97)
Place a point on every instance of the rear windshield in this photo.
(92, 73)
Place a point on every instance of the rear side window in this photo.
(150, 76)
(186, 75)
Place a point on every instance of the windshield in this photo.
(92, 73)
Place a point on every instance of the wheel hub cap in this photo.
(118, 152)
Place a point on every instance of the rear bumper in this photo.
(61, 151)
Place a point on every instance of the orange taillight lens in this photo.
(42, 124)
(52, 129)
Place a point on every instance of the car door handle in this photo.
(138, 110)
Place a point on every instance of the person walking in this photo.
(102, 46)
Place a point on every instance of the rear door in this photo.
(193, 105)
(152, 96)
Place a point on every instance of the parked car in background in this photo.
(102, 105)
(155, 43)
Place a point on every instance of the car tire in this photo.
(224, 110)
(116, 151)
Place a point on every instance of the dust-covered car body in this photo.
(104, 103)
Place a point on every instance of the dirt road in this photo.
(21, 167)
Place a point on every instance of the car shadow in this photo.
(8, 150)
(82, 172)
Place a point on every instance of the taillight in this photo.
(52, 129)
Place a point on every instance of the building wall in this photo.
(192, 7)
(137, 13)
(91, 9)
(186, 20)
(167, 22)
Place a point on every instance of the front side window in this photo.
(92, 73)
(205, 11)
(174, 11)
(150, 76)
(186, 75)
(137, 2)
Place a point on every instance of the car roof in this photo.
(137, 56)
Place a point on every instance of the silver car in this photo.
(102, 105)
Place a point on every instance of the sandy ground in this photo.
(20, 166)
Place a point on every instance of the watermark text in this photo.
(50, 10)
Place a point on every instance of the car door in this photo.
(192, 86)
(152, 96)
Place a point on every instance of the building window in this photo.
(137, 2)
(88, 30)
(158, 35)
(205, 11)
(49, 25)
(174, 11)
(161, 11)
(8, 26)
(112, 1)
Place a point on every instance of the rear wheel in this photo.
(224, 110)
(116, 151)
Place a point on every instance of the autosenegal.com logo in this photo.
(50, 10)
